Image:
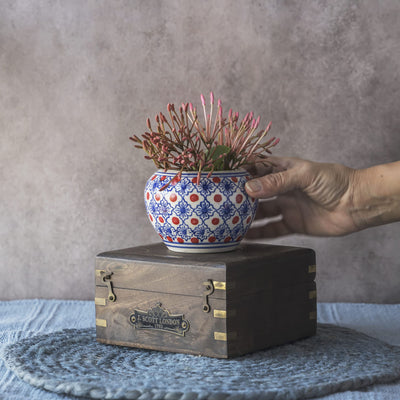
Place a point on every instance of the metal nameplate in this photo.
(158, 318)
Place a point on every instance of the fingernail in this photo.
(254, 185)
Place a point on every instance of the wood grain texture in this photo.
(198, 340)
(267, 300)
(165, 277)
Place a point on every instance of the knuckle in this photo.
(306, 173)
(306, 168)
(273, 182)
(277, 179)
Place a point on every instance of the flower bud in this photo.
(135, 139)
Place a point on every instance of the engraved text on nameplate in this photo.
(158, 318)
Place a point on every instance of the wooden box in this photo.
(220, 305)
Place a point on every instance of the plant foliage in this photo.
(179, 141)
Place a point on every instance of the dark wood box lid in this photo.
(249, 269)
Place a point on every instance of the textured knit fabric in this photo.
(24, 319)
(72, 362)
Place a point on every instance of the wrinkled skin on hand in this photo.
(311, 198)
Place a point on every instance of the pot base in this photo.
(201, 248)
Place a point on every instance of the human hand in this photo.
(312, 198)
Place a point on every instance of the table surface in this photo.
(24, 318)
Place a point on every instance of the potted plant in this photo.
(196, 201)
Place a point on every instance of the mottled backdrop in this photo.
(78, 77)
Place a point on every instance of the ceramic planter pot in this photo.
(206, 217)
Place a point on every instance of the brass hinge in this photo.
(220, 336)
(99, 301)
(224, 314)
(219, 313)
(101, 322)
(223, 336)
(312, 269)
(207, 292)
(219, 285)
(106, 278)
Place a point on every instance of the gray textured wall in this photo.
(78, 77)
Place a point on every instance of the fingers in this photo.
(261, 167)
(284, 163)
(268, 221)
(290, 177)
(268, 209)
(270, 230)
(273, 184)
(258, 170)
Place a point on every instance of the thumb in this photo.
(273, 184)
